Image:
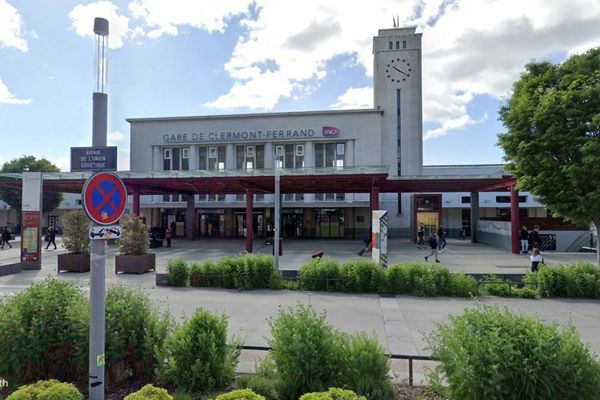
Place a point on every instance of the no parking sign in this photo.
(104, 198)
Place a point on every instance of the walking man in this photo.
(433, 243)
(441, 237)
(51, 238)
(524, 236)
(535, 237)
(6, 237)
(168, 236)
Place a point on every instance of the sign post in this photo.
(31, 209)
(379, 222)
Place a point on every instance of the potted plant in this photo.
(133, 246)
(76, 241)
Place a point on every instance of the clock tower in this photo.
(398, 91)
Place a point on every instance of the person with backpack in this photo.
(5, 237)
(536, 259)
(433, 243)
(441, 234)
(51, 238)
(420, 235)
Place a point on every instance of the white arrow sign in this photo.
(105, 232)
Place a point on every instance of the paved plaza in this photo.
(398, 322)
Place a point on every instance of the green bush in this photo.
(489, 354)
(47, 390)
(249, 272)
(367, 368)
(241, 394)
(135, 239)
(307, 351)
(205, 274)
(462, 285)
(179, 272)
(44, 332)
(495, 286)
(134, 329)
(76, 232)
(197, 355)
(263, 381)
(314, 275)
(362, 276)
(419, 279)
(333, 394)
(149, 392)
(579, 280)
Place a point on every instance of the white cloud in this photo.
(470, 47)
(115, 136)
(6, 97)
(82, 20)
(63, 163)
(355, 98)
(11, 25)
(164, 16)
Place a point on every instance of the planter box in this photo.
(131, 264)
(73, 262)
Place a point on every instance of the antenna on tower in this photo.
(395, 23)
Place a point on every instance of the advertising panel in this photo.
(31, 204)
(379, 223)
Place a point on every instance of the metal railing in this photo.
(408, 357)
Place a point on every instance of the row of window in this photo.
(258, 197)
(499, 199)
(253, 156)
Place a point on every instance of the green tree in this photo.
(552, 145)
(29, 163)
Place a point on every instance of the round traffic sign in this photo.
(104, 198)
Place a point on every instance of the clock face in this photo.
(399, 70)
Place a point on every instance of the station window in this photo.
(397, 45)
(212, 158)
(250, 157)
(291, 155)
(176, 158)
(404, 44)
(465, 199)
(329, 154)
(391, 45)
(506, 199)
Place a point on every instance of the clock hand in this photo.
(402, 72)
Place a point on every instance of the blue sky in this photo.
(195, 57)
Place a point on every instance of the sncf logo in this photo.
(330, 131)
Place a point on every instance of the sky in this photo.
(207, 57)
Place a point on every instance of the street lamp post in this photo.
(277, 210)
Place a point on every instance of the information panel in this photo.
(93, 159)
(379, 223)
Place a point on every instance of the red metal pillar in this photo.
(249, 219)
(514, 220)
(136, 201)
(374, 197)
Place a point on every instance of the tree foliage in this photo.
(29, 163)
(552, 145)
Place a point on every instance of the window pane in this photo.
(185, 164)
(260, 156)
(239, 158)
(176, 155)
(299, 161)
(289, 156)
(222, 153)
(319, 157)
(202, 159)
(329, 154)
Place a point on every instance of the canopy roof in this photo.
(297, 180)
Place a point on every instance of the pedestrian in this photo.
(433, 243)
(536, 259)
(524, 236)
(441, 234)
(5, 239)
(51, 238)
(535, 236)
(173, 228)
(420, 234)
(209, 228)
(168, 235)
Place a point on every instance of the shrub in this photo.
(462, 285)
(314, 275)
(241, 394)
(580, 279)
(197, 355)
(362, 276)
(419, 279)
(333, 394)
(489, 354)
(135, 238)
(47, 390)
(263, 381)
(367, 368)
(134, 329)
(495, 286)
(205, 274)
(44, 332)
(179, 272)
(307, 352)
(149, 392)
(75, 237)
(249, 272)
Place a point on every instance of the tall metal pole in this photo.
(98, 247)
(277, 206)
